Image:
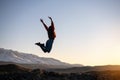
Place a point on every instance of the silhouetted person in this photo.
(51, 35)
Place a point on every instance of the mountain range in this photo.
(22, 66)
(31, 61)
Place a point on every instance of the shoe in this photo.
(37, 43)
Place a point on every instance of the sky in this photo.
(88, 31)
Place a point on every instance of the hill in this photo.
(87, 69)
(30, 60)
(21, 73)
(10, 68)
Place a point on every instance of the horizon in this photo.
(64, 61)
(88, 31)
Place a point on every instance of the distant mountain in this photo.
(30, 60)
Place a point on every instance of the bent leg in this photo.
(49, 44)
(41, 46)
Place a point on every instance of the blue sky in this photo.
(88, 31)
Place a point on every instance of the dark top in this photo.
(51, 32)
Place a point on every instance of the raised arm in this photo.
(52, 24)
(44, 24)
